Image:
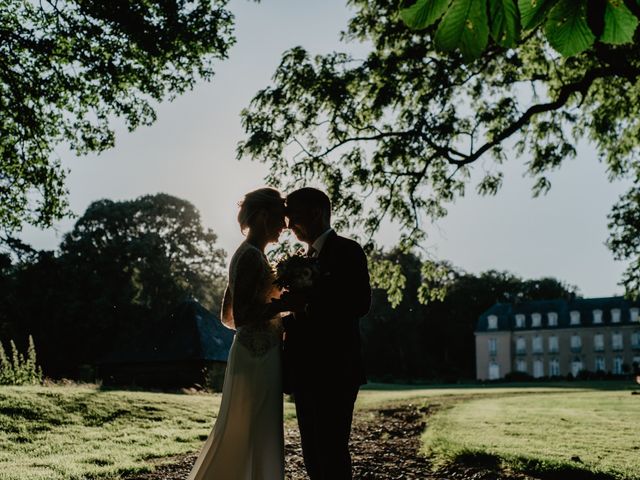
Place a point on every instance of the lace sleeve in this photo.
(250, 278)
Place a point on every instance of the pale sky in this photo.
(190, 153)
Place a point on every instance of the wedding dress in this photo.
(247, 440)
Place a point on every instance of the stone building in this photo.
(555, 338)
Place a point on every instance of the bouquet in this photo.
(296, 273)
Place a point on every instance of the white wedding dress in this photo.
(247, 440)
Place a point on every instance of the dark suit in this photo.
(323, 363)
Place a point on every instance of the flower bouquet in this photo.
(296, 273)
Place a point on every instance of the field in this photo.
(64, 433)
(558, 434)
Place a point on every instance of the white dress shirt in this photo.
(319, 243)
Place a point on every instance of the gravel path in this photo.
(384, 444)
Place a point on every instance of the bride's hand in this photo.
(293, 302)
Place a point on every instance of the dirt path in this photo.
(385, 445)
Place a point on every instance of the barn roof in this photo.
(189, 332)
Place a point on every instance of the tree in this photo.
(155, 245)
(395, 134)
(121, 269)
(69, 67)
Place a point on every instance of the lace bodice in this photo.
(244, 305)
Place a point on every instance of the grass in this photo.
(82, 432)
(76, 432)
(581, 434)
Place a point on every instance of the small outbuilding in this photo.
(187, 348)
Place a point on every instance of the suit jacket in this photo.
(322, 344)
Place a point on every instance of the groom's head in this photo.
(309, 213)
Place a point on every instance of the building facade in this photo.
(555, 338)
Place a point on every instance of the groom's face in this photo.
(297, 221)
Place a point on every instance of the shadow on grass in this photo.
(615, 384)
(539, 469)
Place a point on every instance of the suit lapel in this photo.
(328, 246)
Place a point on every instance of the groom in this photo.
(323, 362)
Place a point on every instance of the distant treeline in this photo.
(435, 342)
(126, 264)
(119, 271)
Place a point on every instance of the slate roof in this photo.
(190, 332)
(506, 313)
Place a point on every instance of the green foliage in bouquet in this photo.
(296, 272)
(19, 370)
(570, 26)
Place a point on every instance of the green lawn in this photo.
(74, 432)
(65, 433)
(541, 432)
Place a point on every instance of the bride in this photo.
(247, 440)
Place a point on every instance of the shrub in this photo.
(19, 370)
(518, 377)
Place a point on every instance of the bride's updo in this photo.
(262, 199)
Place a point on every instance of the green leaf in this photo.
(533, 12)
(504, 22)
(423, 13)
(619, 23)
(464, 26)
(567, 29)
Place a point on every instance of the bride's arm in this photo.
(226, 313)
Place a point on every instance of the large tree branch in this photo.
(582, 86)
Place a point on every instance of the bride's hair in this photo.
(261, 199)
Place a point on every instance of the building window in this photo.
(616, 341)
(575, 317)
(493, 322)
(576, 343)
(521, 345)
(536, 320)
(635, 339)
(519, 320)
(552, 319)
(597, 316)
(598, 342)
(493, 346)
(494, 371)
(521, 366)
(576, 366)
(615, 315)
(617, 365)
(600, 365)
(554, 367)
(553, 344)
(537, 344)
(634, 313)
(636, 362)
(538, 368)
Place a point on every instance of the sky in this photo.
(189, 152)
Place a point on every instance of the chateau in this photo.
(551, 338)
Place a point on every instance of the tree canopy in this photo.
(394, 133)
(69, 67)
